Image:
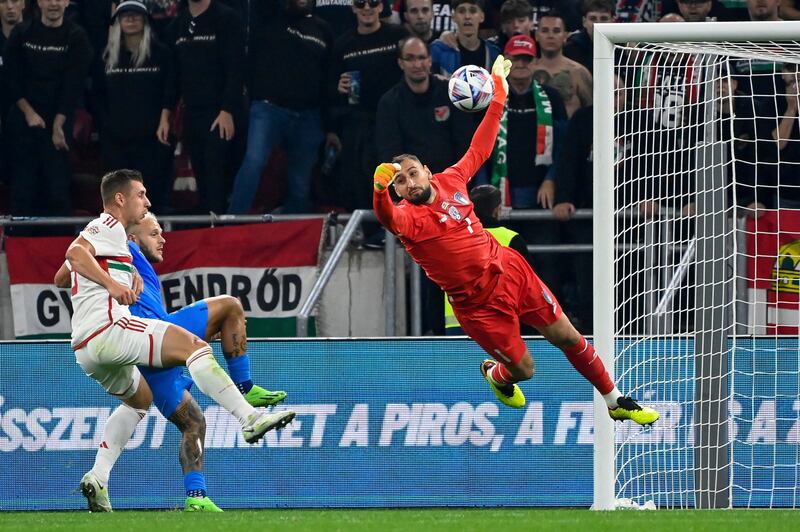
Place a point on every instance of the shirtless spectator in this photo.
(571, 79)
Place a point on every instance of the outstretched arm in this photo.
(484, 138)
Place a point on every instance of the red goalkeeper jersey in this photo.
(446, 238)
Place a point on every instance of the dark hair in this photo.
(602, 6)
(455, 3)
(405, 40)
(117, 181)
(515, 9)
(405, 157)
(553, 13)
(486, 199)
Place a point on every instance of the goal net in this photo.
(697, 262)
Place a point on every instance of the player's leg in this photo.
(125, 383)
(176, 346)
(171, 396)
(540, 309)
(496, 330)
(190, 421)
(225, 316)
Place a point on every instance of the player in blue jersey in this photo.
(223, 316)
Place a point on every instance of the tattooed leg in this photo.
(226, 318)
(190, 421)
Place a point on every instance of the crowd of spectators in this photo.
(250, 106)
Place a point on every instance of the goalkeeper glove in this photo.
(500, 70)
(384, 175)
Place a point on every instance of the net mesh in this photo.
(707, 266)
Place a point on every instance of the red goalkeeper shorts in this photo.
(519, 296)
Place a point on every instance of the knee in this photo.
(233, 307)
(197, 344)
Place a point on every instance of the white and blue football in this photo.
(471, 88)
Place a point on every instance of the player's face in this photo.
(419, 15)
(150, 238)
(135, 203)
(11, 11)
(551, 34)
(467, 18)
(595, 17)
(413, 182)
(131, 23)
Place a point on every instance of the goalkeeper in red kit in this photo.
(491, 288)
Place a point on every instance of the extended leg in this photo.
(190, 421)
(226, 318)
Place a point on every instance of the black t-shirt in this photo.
(427, 125)
(575, 172)
(339, 14)
(522, 136)
(135, 96)
(47, 66)
(210, 57)
(473, 57)
(374, 56)
(298, 47)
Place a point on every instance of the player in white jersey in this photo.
(109, 342)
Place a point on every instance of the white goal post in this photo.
(677, 275)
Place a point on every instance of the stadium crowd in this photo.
(237, 106)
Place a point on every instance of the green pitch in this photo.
(416, 520)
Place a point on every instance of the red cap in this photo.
(520, 45)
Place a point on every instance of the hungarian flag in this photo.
(773, 271)
(270, 268)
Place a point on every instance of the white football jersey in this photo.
(93, 308)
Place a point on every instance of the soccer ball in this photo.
(471, 88)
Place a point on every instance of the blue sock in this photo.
(239, 368)
(195, 484)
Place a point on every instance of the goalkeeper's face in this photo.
(413, 182)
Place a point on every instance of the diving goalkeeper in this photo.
(490, 287)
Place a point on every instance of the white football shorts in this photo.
(111, 357)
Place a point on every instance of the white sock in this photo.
(216, 384)
(118, 430)
(611, 398)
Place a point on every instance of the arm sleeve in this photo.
(170, 94)
(12, 57)
(387, 131)
(482, 144)
(335, 102)
(105, 240)
(572, 156)
(395, 219)
(519, 245)
(233, 57)
(79, 58)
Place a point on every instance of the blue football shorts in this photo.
(168, 384)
